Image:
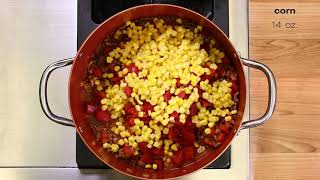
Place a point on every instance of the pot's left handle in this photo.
(43, 92)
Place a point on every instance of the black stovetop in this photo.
(92, 12)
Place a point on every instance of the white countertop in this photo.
(35, 33)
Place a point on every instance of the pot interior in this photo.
(84, 56)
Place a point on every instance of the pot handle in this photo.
(43, 92)
(272, 94)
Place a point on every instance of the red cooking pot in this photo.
(83, 57)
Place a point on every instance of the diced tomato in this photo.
(133, 68)
(182, 95)
(157, 151)
(174, 134)
(127, 107)
(167, 96)
(228, 124)
(213, 131)
(146, 158)
(205, 77)
(200, 92)
(220, 71)
(178, 84)
(193, 109)
(159, 163)
(103, 116)
(146, 118)
(204, 103)
(130, 121)
(210, 76)
(103, 136)
(225, 60)
(100, 95)
(128, 150)
(164, 136)
(146, 106)
(90, 108)
(188, 153)
(212, 72)
(221, 137)
(143, 147)
(188, 137)
(224, 128)
(178, 123)
(116, 80)
(131, 110)
(189, 125)
(175, 115)
(177, 158)
(96, 72)
(208, 142)
(127, 90)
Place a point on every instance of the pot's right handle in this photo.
(272, 94)
(43, 92)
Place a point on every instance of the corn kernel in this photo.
(134, 145)
(118, 123)
(207, 131)
(154, 166)
(114, 147)
(234, 112)
(210, 124)
(196, 144)
(123, 134)
(137, 132)
(179, 20)
(131, 139)
(109, 59)
(135, 153)
(116, 131)
(127, 133)
(165, 130)
(106, 145)
(141, 123)
(121, 128)
(117, 68)
(156, 144)
(99, 88)
(97, 82)
(104, 107)
(148, 166)
(228, 118)
(136, 121)
(174, 147)
(125, 71)
(121, 142)
(140, 114)
(110, 75)
(164, 122)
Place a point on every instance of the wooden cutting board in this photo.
(288, 146)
